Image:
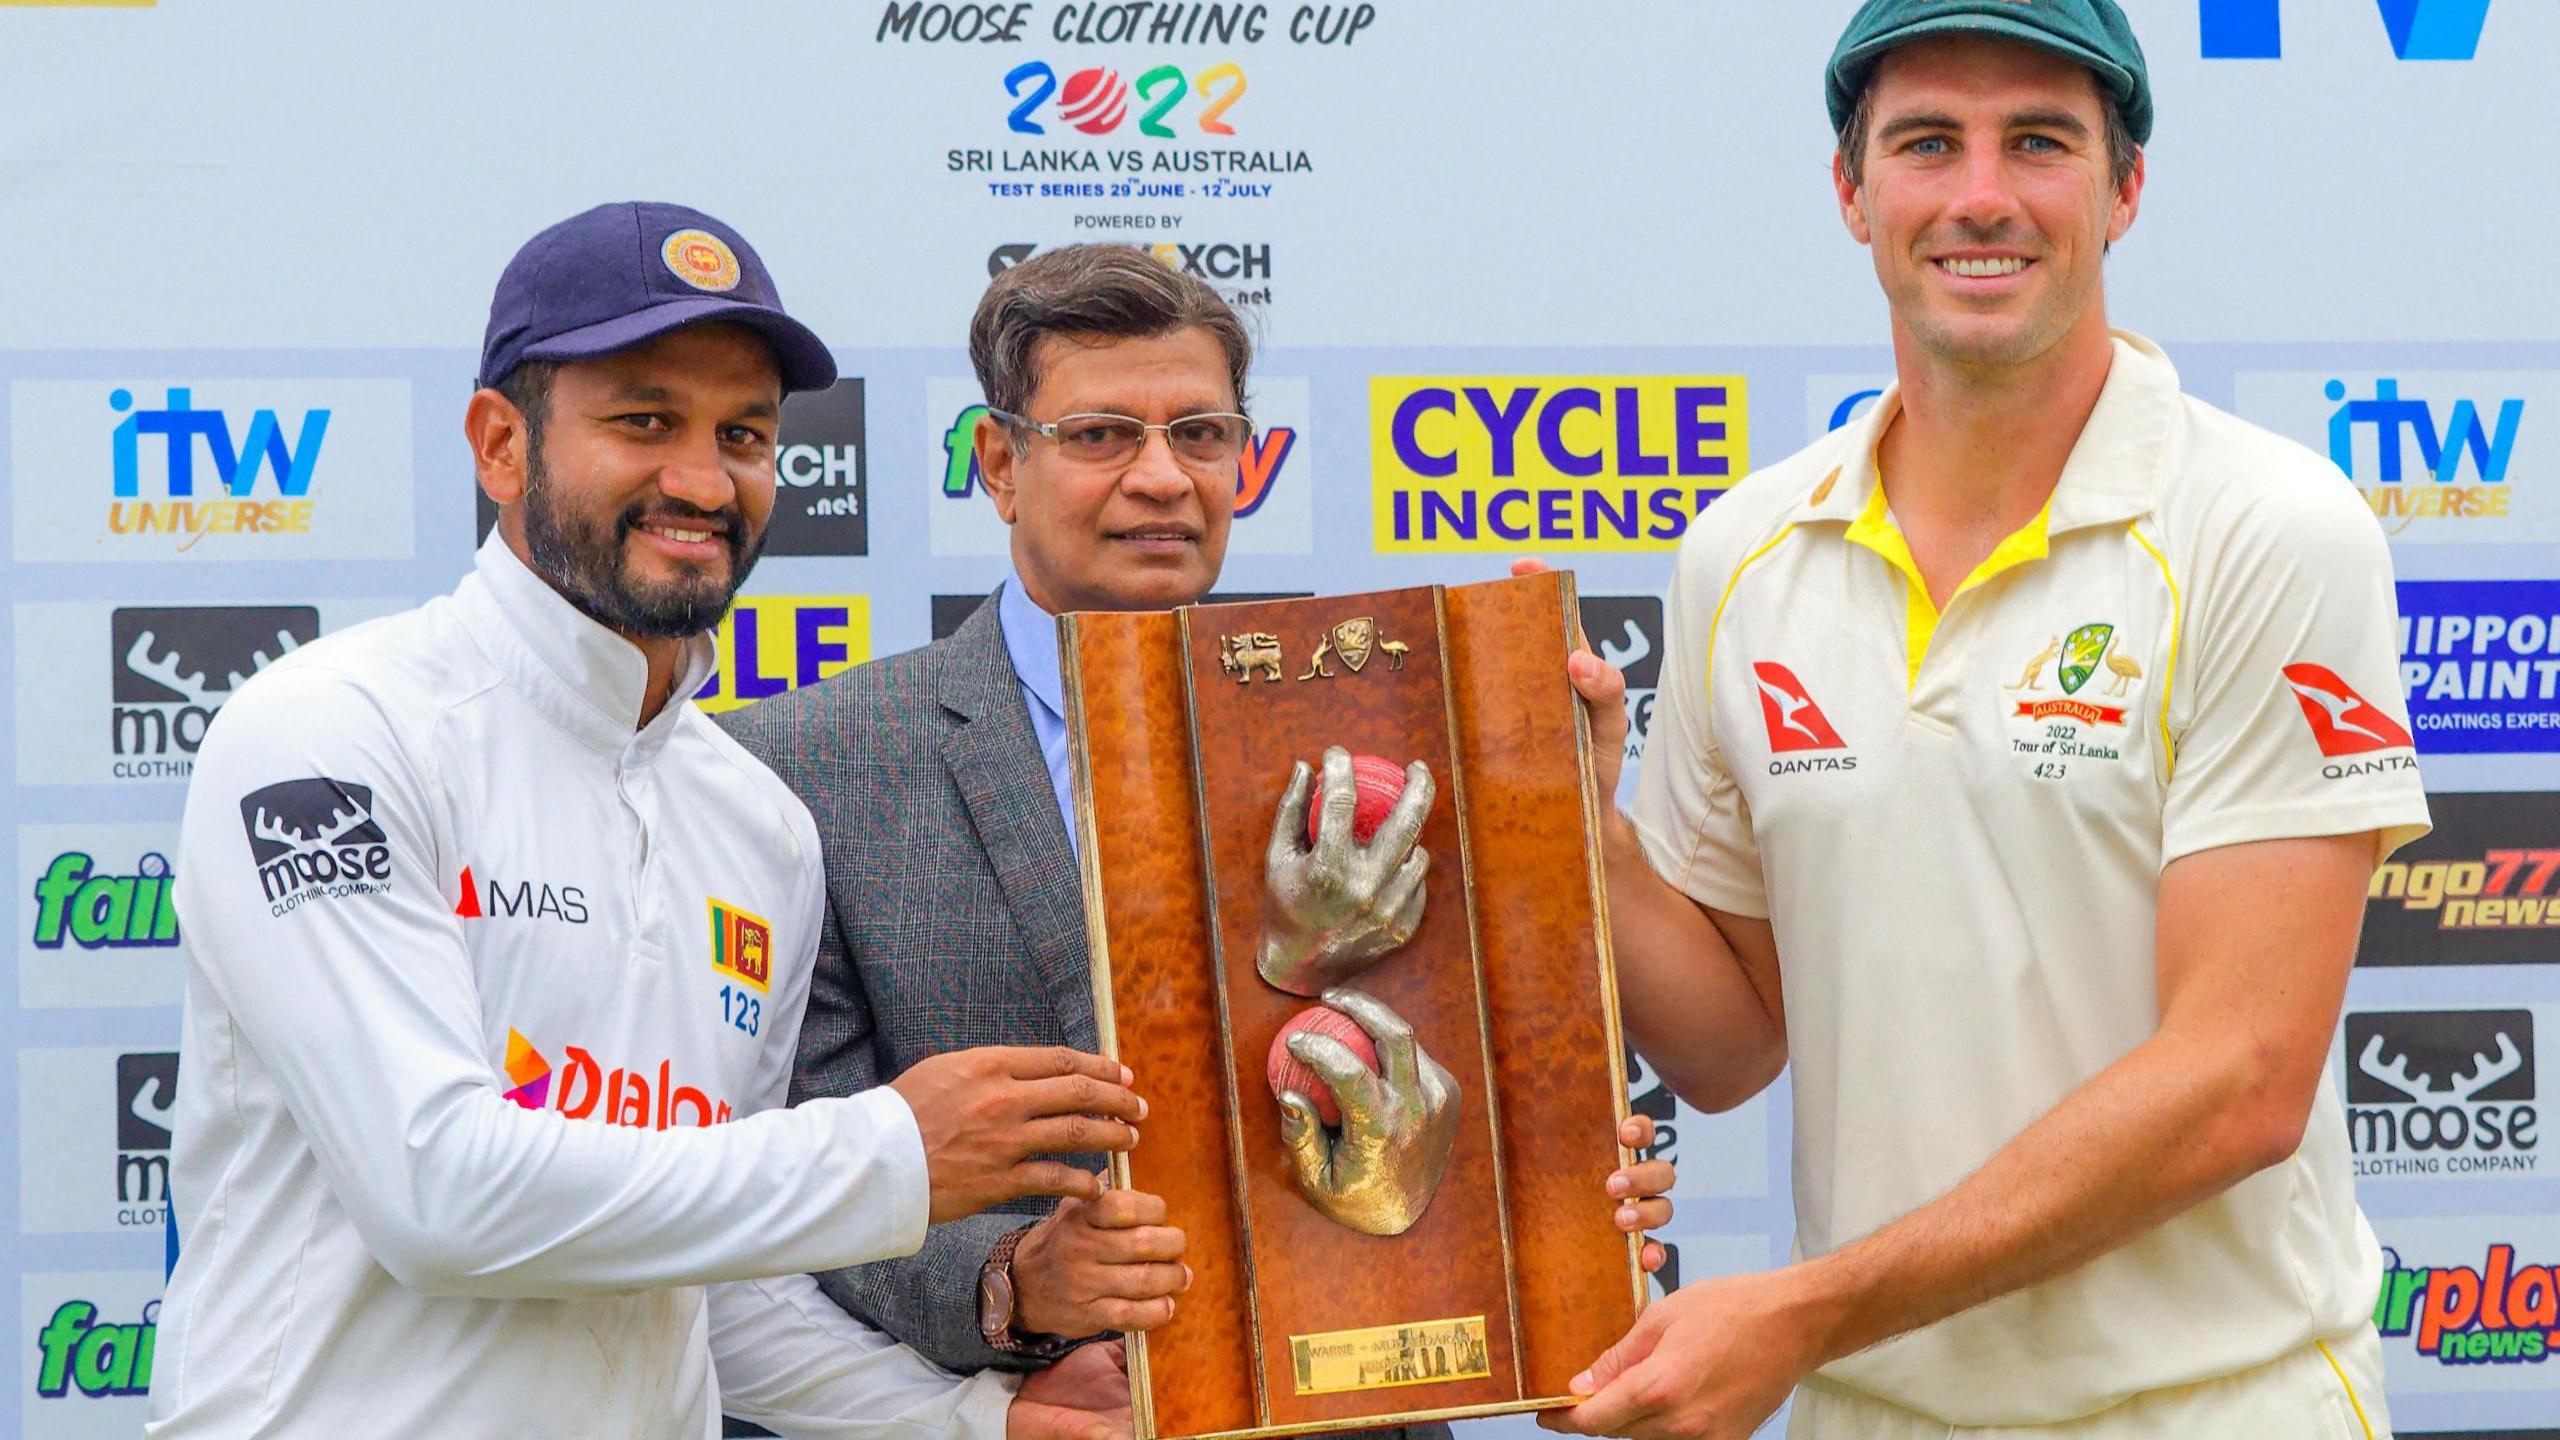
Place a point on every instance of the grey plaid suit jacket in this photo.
(955, 918)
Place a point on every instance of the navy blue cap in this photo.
(622, 275)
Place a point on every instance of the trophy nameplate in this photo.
(1444, 1248)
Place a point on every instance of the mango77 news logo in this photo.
(2419, 29)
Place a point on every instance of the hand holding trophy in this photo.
(1334, 909)
(1378, 1171)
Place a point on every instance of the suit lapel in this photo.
(994, 757)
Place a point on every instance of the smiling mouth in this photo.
(1155, 533)
(1984, 269)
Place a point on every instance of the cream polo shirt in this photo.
(1955, 823)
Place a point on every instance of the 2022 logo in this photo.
(1096, 100)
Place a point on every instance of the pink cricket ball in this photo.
(1377, 783)
(1288, 1072)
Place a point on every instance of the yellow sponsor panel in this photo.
(767, 644)
(1550, 462)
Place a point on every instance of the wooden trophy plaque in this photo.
(1184, 728)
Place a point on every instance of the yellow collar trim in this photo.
(1874, 529)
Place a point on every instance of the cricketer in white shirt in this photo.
(492, 1002)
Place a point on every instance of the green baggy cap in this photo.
(2091, 32)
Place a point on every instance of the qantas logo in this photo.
(1794, 721)
(2342, 721)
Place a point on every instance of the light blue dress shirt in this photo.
(1031, 638)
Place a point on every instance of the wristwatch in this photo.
(995, 1300)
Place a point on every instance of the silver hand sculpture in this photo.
(1379, 1172)
(1333, 911)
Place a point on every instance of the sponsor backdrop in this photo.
(1532, 277)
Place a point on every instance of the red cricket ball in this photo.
(1377, 783)
(1288, 1072)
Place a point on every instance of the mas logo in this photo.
(767, 644)
(1490, 463)
(266, 469)
(2442, 1092)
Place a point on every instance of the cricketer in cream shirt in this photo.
(1956, 822)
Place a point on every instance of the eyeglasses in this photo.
(1215, 439)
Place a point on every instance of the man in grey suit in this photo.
(938, 779)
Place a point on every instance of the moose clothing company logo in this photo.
(224, 470)
(2482, 888)
(97, 918)
(2432, 1093)
(1275, 508)
(94, 1139)
(87, 1340)
(315, 839)
(110, 694)
(2445, 457)
(175, 665)
(1626, 631)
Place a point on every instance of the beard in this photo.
(585, 559)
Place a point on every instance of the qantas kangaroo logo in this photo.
(2342, 721)
(1794, 721)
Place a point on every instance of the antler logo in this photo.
(314, 833)
(1794, 721)
(2342, 721)
(2441, 1057)
(174, 666)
